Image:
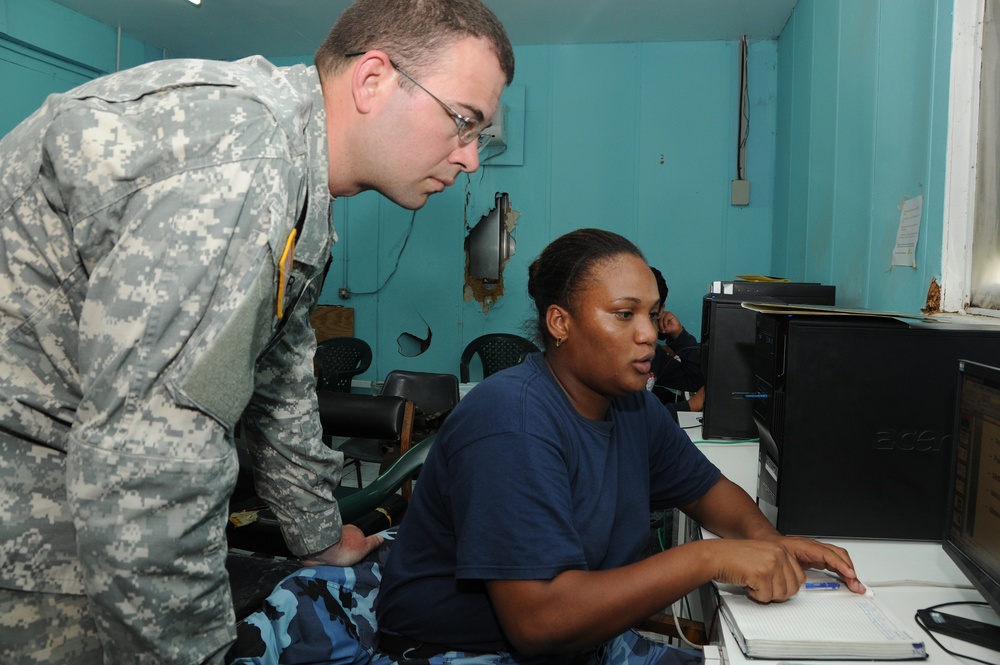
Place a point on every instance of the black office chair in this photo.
(253, 575)
(258, 557)
(340, 359)
(434, 396)
(496, 351)
(381, 417)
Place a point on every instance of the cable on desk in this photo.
(916, 618)
(659, 536)
(674, 610)
(925, 583)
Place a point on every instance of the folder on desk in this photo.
(831, 624)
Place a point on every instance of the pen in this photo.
(822, 585)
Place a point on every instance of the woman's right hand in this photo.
(766, 569)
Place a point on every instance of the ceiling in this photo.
(229, 29)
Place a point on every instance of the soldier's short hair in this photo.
(412, 32)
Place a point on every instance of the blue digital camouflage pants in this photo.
(325, 614)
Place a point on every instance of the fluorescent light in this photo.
(195, 2)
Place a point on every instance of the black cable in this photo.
(743, 118)
(744, 108)
(406, 240)
(930, 634)
(739, 119)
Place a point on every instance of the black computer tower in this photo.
(727, 348)
(855, 434)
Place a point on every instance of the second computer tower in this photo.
(727, 347)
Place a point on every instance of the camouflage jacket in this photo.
(149, 297)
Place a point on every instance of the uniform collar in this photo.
(317, 235)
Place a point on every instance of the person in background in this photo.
(524, 538)
(677, 366)
(165, 231)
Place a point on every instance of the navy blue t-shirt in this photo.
(519, 485)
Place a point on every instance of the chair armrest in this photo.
(368, 498)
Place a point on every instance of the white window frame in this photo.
(962, 158)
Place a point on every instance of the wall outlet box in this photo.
(741, 193)
(493, 135)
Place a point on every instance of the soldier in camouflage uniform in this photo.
(163, 236)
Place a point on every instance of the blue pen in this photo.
(822, 585)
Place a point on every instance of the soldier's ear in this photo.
(372, 80)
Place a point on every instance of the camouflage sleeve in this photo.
(180, 300)
(294, 472)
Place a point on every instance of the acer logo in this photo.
(914, 439)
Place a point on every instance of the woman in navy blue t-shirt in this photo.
(524, 539)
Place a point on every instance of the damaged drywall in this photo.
(933, 304)
(410, 345)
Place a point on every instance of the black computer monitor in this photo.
(972, 533)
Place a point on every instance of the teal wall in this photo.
(848, 117)
(862, 126)
(46, 48)
(636, 138)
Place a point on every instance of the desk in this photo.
(738, 459)
(879, 561)
(876, 561)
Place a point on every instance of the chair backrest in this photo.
(338, 360)
(497, 351)
(364, 416)
(382, 417)
(433, 394)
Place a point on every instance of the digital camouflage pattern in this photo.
(143, 216)
(325, 614)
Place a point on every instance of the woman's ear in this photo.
(557, 320)
(370, 80)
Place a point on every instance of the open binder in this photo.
(821, 623)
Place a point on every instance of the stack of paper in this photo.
(821, 623)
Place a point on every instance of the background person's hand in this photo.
(697, 401)
(668, 324)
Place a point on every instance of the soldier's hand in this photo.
(352, 548)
